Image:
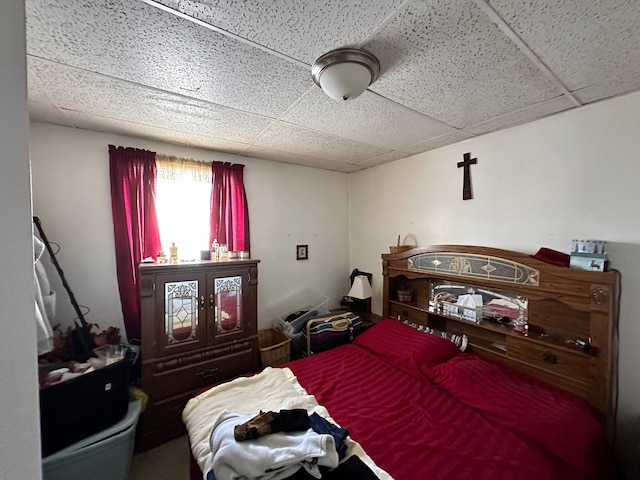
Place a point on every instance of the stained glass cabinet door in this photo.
(227, 300)
(183, 301)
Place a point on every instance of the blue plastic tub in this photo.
(105, 455)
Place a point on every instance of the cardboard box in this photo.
(588, 261)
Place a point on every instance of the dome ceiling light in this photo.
(345, 73)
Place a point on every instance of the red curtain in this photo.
(229, 211)
(135, 225)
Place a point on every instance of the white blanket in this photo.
(272, 389)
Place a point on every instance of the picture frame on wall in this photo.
(302, 252)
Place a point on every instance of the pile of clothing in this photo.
(289, 444)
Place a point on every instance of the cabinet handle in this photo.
(550, 358)
(210, 372)
(212, 300)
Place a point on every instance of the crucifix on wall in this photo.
(467, 193)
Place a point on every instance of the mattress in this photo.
(420, 408)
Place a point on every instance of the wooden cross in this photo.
(466, 180)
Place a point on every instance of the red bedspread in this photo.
(422, 409)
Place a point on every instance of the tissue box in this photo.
(472, 307)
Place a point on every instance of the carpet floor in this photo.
(169, 461)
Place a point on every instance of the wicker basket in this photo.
(275, 347)
(399, 248)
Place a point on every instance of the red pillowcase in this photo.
(560, 421)
(406, 348)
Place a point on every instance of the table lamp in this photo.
(360, 291)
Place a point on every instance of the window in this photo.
(183, 197)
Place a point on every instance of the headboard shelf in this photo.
(570, 315)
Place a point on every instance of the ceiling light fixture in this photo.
(345, 73)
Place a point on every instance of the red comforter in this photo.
(424, 410)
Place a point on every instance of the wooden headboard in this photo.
(571, 315)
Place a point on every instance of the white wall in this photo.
(572, 175)
(288, 205)
(20, 432)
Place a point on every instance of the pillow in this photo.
(404, 347)
(559, 421)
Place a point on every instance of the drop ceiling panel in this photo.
(47, 113)
(617, 85)
(380, 159)
(103, 124)
(584, 43)
(291, 138)
(301, 30)
(438, 142)
(93, 94)
(446, 59)
(362, 120)
(235, 76)
(297, 159)
(142, 44)
(538, 110)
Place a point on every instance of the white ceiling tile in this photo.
(369, 119)
(446, 59)
(77, 90)
(237, 76)
(301, 30)
(583, 42)
(89, 121)
(47, 113)
(288, 157)
(522, 116)
(286, 137)
(438, 142)
(139, 43)
(380, 159)
(35, 88)
(617, 85)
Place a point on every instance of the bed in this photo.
(416, 406)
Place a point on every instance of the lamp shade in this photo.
(345, 73)
(360, 288)
(345, 81)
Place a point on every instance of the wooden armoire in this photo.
(199, 328)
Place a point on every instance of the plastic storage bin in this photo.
(105, 455)
(308, 304)
(304, 302)
(77, 408)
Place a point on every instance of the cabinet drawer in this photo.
(195, 376)
(167, 412)
(551, 359)
(407, 312)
